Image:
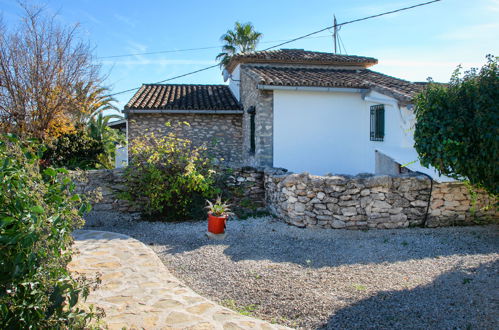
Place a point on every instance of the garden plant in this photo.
(38, 212)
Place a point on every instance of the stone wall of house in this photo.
(222, 134)
(368, 201)
(263, 101)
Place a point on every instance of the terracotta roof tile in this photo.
(300, 56)
(183, 97)
(323, 77)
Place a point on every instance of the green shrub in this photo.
(75, 150)
(38, 212)
(169, 177)
(457, 127)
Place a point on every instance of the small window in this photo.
(377, 122)
(252, 112)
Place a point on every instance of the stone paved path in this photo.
(138, 292)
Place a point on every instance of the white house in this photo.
(301, 110)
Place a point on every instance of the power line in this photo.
(185, 50)
(292, 40)
(172, 78)
(353, 21)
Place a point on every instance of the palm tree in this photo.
(242, 39)
(90, 99)
(99, 130)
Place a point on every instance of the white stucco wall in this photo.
(234, 82)
(328, 132)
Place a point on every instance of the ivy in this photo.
(457, 127)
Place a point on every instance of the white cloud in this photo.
(160, 61)
(493, 5)
(420, 70)
(473, 32)
(128, 21)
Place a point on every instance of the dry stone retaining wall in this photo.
(304, 200)
(368, 201)
(107, 185)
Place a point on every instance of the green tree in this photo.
(457, 127)
(242, 39)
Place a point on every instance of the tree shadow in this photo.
(257, 239)
(465, 298)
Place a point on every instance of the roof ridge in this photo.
(162, 84)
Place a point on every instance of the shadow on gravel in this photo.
(260, 239)
(454, 300)
(315, 249)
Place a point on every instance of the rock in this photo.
(337, 224)
(381, 205)
(320, 195)
(398, 217)
(349, 211)
(299, 207)
(419, 203)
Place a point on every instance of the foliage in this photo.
(74, 150)
(218, 208)
(41, 65)
(99, 130)
(242, 39)
(168, 176)
(90, 100)
(38, 212)
(457, 128)
(88, 146)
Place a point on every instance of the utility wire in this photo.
(290, 41)
(353, 21)
(186, 49)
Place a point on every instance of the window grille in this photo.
(377, 122)
(252, 113)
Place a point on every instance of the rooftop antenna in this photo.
(335, 34)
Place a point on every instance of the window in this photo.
(252, 112)
(377, 122)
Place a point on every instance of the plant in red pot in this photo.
(218, 213)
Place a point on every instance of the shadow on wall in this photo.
(430, 306)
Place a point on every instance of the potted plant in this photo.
(218, 212)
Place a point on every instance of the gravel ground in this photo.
(445, 278)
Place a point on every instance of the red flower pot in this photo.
(216, 225)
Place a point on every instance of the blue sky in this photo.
(414, 44)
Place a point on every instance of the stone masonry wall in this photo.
(221, 133)
(452, 202)
(263, 101)
(367, 201)
(106, 186)
(304, 200)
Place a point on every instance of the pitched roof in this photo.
(401, 90)
(183, 97)
(300, 56)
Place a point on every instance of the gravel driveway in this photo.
(444, 278)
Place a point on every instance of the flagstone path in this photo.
(138, 292)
